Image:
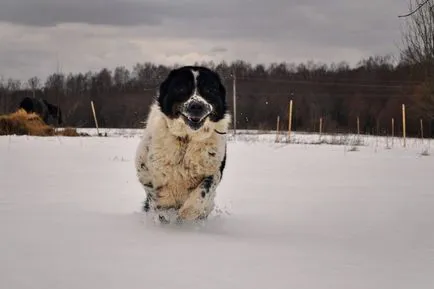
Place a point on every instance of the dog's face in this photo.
(193, 97)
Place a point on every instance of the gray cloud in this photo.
(218, 49)
(97, 33)
(114, 12)
(49, 13)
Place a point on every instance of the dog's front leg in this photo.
(200, 203)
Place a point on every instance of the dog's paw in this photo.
(189, 213)
(167, 216)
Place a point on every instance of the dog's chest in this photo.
(182, 164)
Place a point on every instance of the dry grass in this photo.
(23, 123)
(69, 131)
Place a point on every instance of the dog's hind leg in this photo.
(143, 174)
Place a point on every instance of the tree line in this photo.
(373, 91)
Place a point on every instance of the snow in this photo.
(289, 216)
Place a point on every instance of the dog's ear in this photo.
(222, 90)
(163, 91)
(164, 86)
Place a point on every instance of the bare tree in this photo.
(418, 36)
(13, 84)
(34, 84)
(423, 102)
(419, 6)
(418, 53)
(121, 77)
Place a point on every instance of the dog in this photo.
(181, 156)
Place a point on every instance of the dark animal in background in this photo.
(50, 114)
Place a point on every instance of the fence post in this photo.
(277, 128)
(234, 103)
(94, 117)
(404, 125)
(421, 128)
(320, 127)
(358, 126)
(290, 120)
(393, 130)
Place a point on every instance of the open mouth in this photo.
(194, 112)
(194, 122)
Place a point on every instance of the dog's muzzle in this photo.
(195, 112)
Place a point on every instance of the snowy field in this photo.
(289, 216)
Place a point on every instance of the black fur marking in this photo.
(183, 140)
(143, 166)
(211, 154)
(151, 195)
(191, 189)
(207, 182)
(148, 185)
(206, 185)
(163, 220)
(223, 164)
(203, 217)
(146, 204)
(158, 188)
(219, 132)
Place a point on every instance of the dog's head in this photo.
(193, 99)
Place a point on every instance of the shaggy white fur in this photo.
(180, 167)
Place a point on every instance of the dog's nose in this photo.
(196, 108)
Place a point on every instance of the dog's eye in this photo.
(210, 90)
(180, 89)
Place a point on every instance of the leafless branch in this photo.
(415, 10)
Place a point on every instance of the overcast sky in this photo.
(92, 34)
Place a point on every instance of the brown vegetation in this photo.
(69, 131)
(23, 123)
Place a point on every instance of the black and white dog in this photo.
(182, 155)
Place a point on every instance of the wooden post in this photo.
(277, 130)
(290, 120)
(320, 127)
(403, 125)
(393, 129)
(421, 128)
(358, 126)
(235, 103)
(94, 117)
